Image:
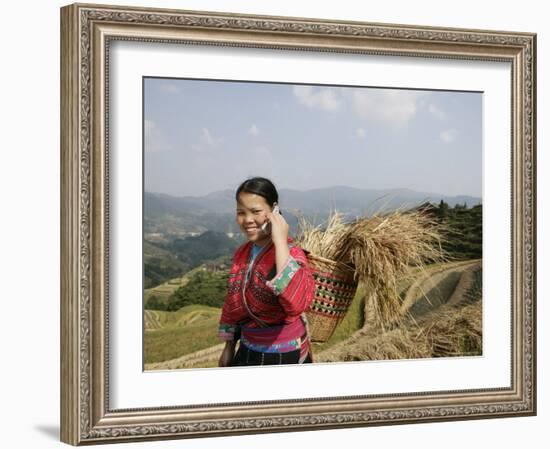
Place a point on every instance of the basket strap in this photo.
(243, 292)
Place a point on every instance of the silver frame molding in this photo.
(86, 33)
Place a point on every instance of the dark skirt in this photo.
(248, 357)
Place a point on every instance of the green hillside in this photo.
(169, 335)
(160, 265)
(165, 261)
(204, 287)
(466, 227)
(207, 283)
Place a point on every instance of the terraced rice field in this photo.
(443, 318)
(163, 291)
(152, 320)
(170, 335)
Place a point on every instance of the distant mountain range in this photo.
(347, 200)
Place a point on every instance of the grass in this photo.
(187, 330)
(157, 319)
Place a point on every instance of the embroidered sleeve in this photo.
(294, 284)
(279, 283)
(228, 332)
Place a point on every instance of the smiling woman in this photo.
(270, 286)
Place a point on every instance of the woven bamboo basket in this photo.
(335, 288)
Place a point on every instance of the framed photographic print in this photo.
(195, 128)
(219, 168)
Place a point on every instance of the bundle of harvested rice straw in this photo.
(376, 251)
(452, 332)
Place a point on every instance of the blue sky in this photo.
(203, 136)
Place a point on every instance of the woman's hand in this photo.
(279, 229)
(227, 354)
(279, 235)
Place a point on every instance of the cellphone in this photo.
(266, 227)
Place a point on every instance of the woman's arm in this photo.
(294, 284)
(282, 254)
(279, 236)
(227, 354)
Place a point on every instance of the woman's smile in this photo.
(252, 213)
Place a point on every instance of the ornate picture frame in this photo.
(87, 33)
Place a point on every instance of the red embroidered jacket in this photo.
(275, 298)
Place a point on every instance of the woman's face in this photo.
(252, 213)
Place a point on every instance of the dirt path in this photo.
(464, 284)
(430, 279)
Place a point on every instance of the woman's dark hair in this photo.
(259, 186)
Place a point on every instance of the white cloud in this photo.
(436, 112)
(448, 135)
(153, 137)
(394, 107)
(360, 133)
(169, 88)
(206, 141)
(253, 131)
(318, 97)
(206, 137)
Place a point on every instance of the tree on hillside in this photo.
(204, 287)
(154, 303)
(443, 210)
(464, 238)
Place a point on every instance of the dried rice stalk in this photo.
(455, 331)
(324, 242)
(381, 248)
